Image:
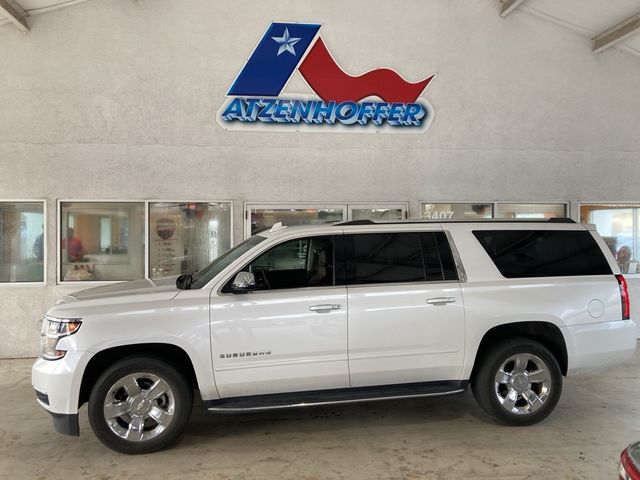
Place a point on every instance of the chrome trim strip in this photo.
(334, 402)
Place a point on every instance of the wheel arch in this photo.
(546, 333)
(169, 353)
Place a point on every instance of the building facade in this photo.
(114, 164)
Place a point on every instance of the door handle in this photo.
(440, 300)
(326, 307)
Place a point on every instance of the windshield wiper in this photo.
(183, 282)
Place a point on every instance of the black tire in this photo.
(491, 394)
(177, 399)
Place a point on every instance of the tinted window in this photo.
(387, 258)
(399, 257)
(438, 260)
(543, 253)
(306, 262)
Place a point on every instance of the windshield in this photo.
(202, 277)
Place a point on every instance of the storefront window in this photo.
(101, 241)
(262, 218)
(619, 227)
(455, 211)
(530, 210)
(377, 213)
(22, 242)
(184, 237)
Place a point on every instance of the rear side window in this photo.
(543, 253)
(398, 258)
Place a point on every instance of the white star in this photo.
(286, 43)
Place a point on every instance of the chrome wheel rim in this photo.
(523, 384)
(139, 407)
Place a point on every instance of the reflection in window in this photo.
(22, 242)
(184, 237)
(531, 210)
(618, 226)
(377, 214)
(264, 218)
(455, 211)
(101, 241)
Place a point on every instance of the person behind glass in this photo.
(75, 249)
(623, 257)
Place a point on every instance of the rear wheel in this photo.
(140, 405)
(519, 382)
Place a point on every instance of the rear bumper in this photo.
(598, 345)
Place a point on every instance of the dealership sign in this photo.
(379, 100)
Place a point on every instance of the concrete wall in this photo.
(117, 99)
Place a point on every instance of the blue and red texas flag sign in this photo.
(342, 101)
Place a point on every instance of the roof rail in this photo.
(480, 220)
(561, 220)
(357, 222)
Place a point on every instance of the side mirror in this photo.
(244, 282)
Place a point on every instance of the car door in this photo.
(406, 315)
(290, 332)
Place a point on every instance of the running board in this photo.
(257, 403)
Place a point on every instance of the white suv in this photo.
(340, 313)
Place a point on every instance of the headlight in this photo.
(53, 329)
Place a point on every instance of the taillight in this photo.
(628, 470)
(624, 297)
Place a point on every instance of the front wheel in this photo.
(140, 405)
(519, 382)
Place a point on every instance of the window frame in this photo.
(147, 206)
(45, 240)
(625, 204)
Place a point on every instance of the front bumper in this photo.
(597, 345)
(57, 384)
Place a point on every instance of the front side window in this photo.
(102, 241)
(300, 263)
(22, 242)
(206, 274)
(543, 253)
(184, 237)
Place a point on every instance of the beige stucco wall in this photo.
(117, 99)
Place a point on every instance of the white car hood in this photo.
(122, 289)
